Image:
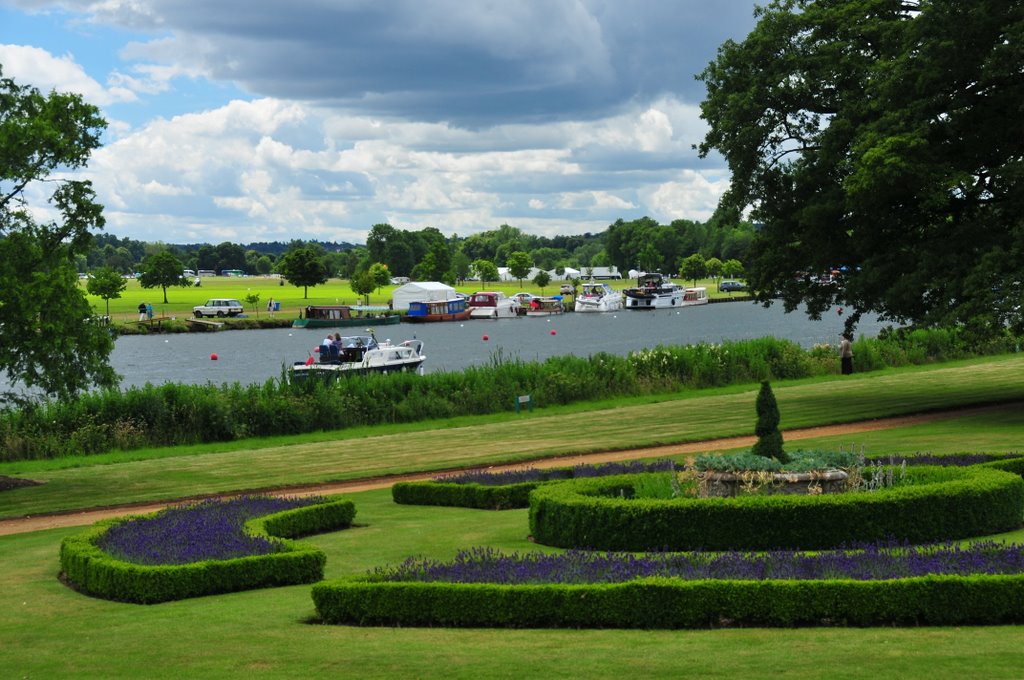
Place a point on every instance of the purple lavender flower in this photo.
(207, 530)
(868, 562)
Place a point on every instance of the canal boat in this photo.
(342, 316)
(695, 296)
(437, 310)
(598, 297)
(545, 306)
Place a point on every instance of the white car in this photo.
(218, 307)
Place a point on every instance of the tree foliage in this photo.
(107, 284)
(163, 270)
(880, 139)
(485, 270)
(47, 341)
(304, 266)
(519, 265)
(693, 267)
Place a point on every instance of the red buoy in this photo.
(213, 357)
(486, 338)
(553, 332)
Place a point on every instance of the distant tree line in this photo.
(427, 254)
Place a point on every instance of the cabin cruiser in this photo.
(492, 305)
(360, 354)
(695, 296)
(598, 297)
(654, 291)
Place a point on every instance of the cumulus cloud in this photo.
(35, 66)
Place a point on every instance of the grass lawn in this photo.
(50, 631)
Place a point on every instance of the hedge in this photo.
(89, 569)
(938, 504)
(478, 496)
(674, 603)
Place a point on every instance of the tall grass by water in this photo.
(175, 414)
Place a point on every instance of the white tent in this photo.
(421, 291)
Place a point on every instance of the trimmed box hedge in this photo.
(938, 504)
(477, 496)
(89, 569)
(674, 603)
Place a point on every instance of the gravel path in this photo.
(79, 518)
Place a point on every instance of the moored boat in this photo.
(545, 306)
(654, 291)
(358, 355)
(492, 305)
(598, 297)
(437, 310)
(342, 316)
(695, 296)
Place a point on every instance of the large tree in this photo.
(519, 265)
(163, 270)
(46, 220)
(881, 139)
(303, 266)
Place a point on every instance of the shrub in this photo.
(938, 504)
(92, 570)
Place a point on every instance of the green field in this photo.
(335, 292)
(50, 631)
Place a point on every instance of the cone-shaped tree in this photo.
(769, 437)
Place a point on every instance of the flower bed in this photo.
(875, 585)
(201, 549)
(936, 504)
(508, 489)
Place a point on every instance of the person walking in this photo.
(846, 354)
(149, 311)
(142, 311)
(270, 306)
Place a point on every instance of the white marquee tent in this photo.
(421, 291)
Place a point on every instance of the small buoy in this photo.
(316, 349)
(213, 357)
(486, 338)
(166, 340)
(553, 332)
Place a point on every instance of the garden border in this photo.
(941, 504)
(674, 603)
(90, 570)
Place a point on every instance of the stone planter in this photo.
(731, 484)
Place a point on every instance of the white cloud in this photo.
(694, 197)
(37, 67)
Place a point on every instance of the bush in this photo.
(91, 570)
(672, 603)
(938, 504)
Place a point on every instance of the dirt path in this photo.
(79, 518)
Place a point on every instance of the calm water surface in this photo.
(256, 355)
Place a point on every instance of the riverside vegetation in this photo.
(174, 414)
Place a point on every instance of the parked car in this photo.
(523, 299)
(218, 307)
(731, 286)
(566, 289)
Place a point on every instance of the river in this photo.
(256, 355)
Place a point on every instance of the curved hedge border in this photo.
(673, 603)
(92, 571)
(477, 496)
(940, 504)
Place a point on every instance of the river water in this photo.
(256, 355)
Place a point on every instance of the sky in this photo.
(264, 120)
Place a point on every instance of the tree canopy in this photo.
(163, 270)
(303, 266)
(880, 140)
(47, 339)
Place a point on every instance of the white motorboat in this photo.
(360, 354)
(654, 291)
(598, 297)
(545, 306)
(492, 305)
